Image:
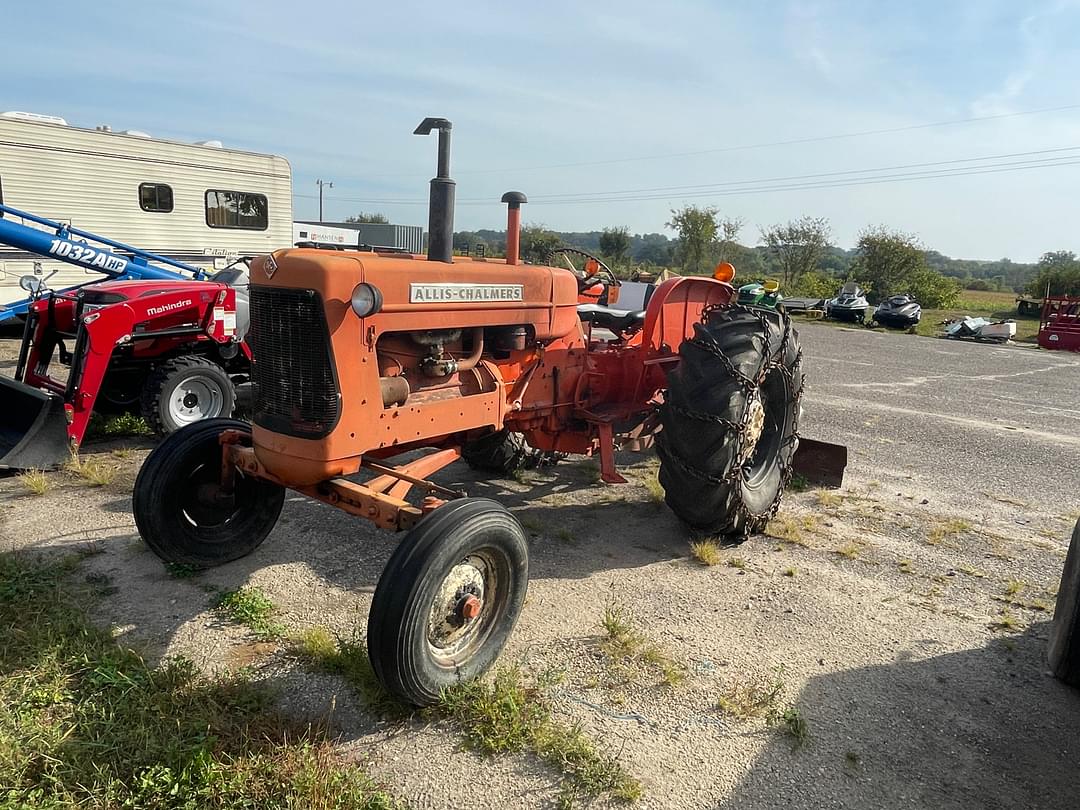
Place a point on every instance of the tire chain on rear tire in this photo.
(747, 518)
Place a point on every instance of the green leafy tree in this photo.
(891, 262)
(615, 245)
(697, 229)
(796, 247)
(537, 242)
(1058, 272)
(729, 239)
(814, 284)
(373, 218)
(885, 260)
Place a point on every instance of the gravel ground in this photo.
(889, 634)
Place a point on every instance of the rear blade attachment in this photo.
(33, 428)
(820, 463)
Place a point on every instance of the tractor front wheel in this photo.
(185, 390)
(181, 511)
(448, 599)
(730, 421)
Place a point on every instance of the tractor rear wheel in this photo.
(448, 599)
(730, 421)
(1064, 650)
(506, 452)
(180, 510)
(185, 390)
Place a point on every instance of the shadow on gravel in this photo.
(983, 728)
(568, 540)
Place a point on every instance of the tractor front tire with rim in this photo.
(180, 511)
(730, 421)
(185, 390)
(1063, 653)
(447, 599)
(506, 452)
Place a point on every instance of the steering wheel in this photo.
(588, 268)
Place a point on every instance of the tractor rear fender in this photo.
(676, 306)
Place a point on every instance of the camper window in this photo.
(236, 209)
(155, 197)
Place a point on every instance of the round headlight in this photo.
(366, 300)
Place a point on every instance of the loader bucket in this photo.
(33, 428)
(820, 463)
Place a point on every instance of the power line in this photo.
(805, 176)
(769, 144)
(838, 179)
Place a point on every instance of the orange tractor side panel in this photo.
(467, 400)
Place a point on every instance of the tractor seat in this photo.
(615, 320)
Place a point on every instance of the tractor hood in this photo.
(110, 292)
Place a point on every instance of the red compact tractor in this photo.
(362, 357)
(170, 349)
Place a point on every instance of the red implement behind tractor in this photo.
(171, 350)
(362, 357)
(1059, 324)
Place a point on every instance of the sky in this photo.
(606, 113)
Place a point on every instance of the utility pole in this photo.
(320, 184)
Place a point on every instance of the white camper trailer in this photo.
(197, 203)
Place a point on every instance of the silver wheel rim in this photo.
(454, 633)
(194, 398)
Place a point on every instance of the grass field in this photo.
(995, 306)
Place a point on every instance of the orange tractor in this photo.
(361, 357)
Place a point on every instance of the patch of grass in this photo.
(115, 427)
(971, 572)
(35, 482)
(565, 534)
(852, 759)
(252, 608)
(851, 549)
(706, 552)
(505, 714)
(905, 567)
(86, 722)
(793, 529)
(627, 645)
(945, 530)
(755, 697)
(1006, 622)
(122, 452)
(93, 472)
(798, 483)
(654, 489)
(828, 499)
(323, 652)
(531, 523)
(790, 572)
(795, 725)
(736, 562)
(182, 570)
(1014, 586)
(591, 469)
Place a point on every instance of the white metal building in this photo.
(195, 202)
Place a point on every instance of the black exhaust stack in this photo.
(441, 205)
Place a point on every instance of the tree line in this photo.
(799, 253)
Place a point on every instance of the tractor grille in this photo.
(294, 387)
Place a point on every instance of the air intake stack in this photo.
(441, 201)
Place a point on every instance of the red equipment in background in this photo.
(1059, 327)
